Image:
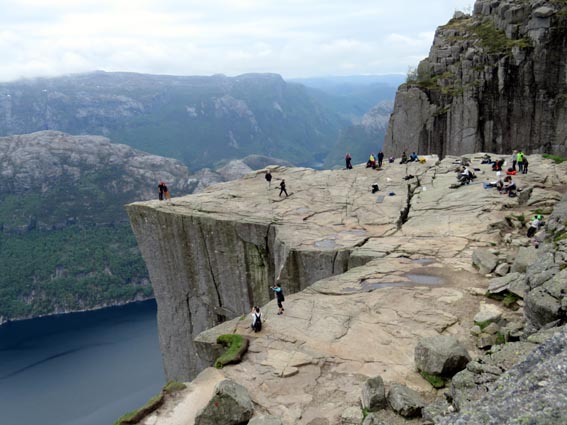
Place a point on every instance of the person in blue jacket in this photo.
(279, 296)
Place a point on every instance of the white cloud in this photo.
(294, 38)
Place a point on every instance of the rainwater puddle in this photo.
(424, 261)
(424, 279)
(326, 243)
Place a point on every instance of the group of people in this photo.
(268, 177)
(374, 161)
(412, 158)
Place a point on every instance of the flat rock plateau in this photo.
(365, 276)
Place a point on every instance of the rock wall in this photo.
(206, 269)
(494, 81)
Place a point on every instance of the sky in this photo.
(295, 38)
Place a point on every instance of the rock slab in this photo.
(230, 405)
(441, 355)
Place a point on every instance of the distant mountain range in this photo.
(198, 120)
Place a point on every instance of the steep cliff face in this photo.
(494, 81)
(213, 255)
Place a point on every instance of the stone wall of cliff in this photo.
(207, 267)
(494, 81)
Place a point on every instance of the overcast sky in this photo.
(295, 38)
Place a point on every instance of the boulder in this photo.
(519, 287)
(405, 401)
(524, 258)
(372, 419)
(374, 394)
(541, 308)
(351, 416)
(230, 405)
(484, 260)
(265, 420)
(544, 12)
(487, 313)
(502, 269)
(441, 355)
(501, 284)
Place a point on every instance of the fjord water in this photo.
(82, 369)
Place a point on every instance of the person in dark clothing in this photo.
(282, 188)
(162, 188)
(256, 319)
(269, 178)
(348, 161)
(380, 159)
(525, 164)
(279, 296)
(404, 158)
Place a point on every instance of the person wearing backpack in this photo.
(256, 319)
(279, 296)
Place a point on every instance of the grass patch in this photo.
(482, 325)
(510, 300)
(137, 415)
(236, 345)
(173, 387)
(365, 413)
(555, 158)
(494, 40)
(435, 381)
(500, 339)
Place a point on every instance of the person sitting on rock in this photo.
(465, 175)
(509, 186)
(486, 159)
(413, 157)
(371, 162)
(497, 166)
(404, 158)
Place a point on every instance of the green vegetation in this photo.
(75, 268)
(500, 339)
(510, 300)
(365, 413)
(482, 325)
(173, 387)
(435, 381)
(555, 158)
(137, 415)
(236, 345)
(494, 41)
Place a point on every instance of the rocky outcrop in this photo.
(362, 285)
(441, 355)
(532, 391)
(230, 405)
(492, 82)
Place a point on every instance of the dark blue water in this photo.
(80, 369)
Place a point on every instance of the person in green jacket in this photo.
(520, 160)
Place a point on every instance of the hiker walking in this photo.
(380, 159)
(282, 189)
(268, 178)
(348, 160)
(256, 319)
(162, 188)
(279, 296)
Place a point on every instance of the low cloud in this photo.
(294, 38)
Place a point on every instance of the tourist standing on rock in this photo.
(520, 160)
(268, 177)
(525, 164)
(514, 160)
(282, 188)
(163, 192)
(256, 319)
(380, 159)
(348, 161)
(279, 296)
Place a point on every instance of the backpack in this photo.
(257, 323)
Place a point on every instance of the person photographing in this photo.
(279, 297)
